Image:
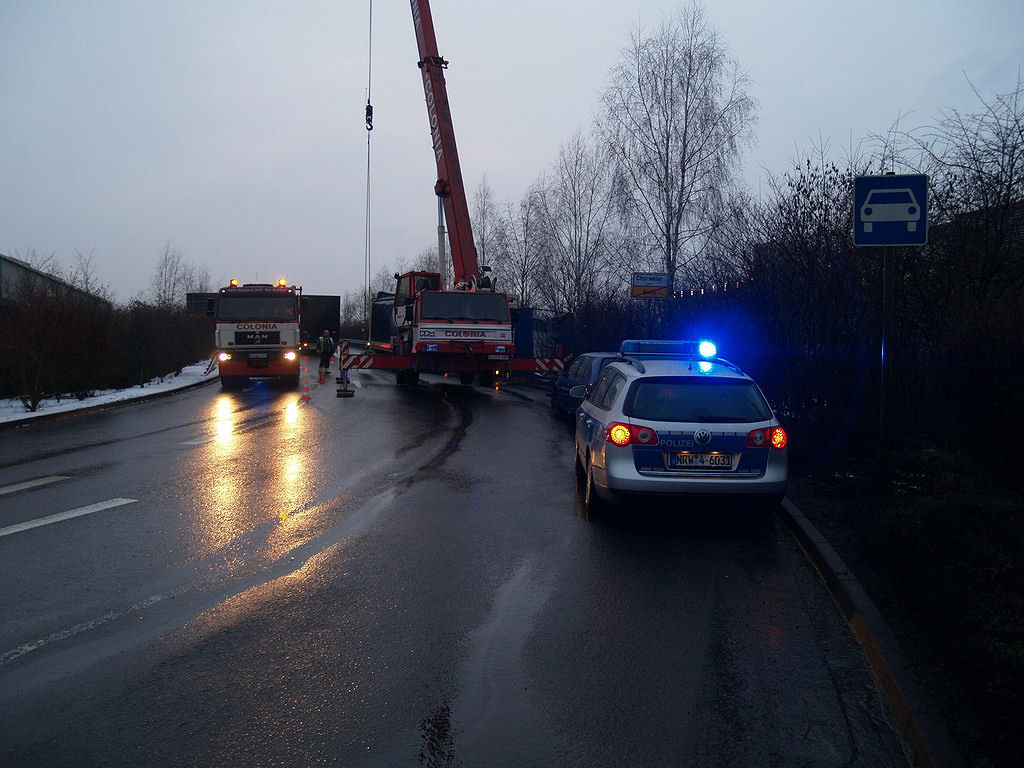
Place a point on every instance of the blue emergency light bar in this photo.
(665, 348)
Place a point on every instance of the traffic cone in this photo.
(305, 385)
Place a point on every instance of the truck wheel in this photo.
(230, 383)
(465, 379)
(289, 382)
(486, 379)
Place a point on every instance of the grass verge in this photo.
(944, 565)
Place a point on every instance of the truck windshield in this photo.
(237, 308)
(461, 305)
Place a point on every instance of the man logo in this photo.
(702, 437)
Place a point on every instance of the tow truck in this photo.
(257, 332)
(466, 331)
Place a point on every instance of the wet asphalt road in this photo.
(403, 578)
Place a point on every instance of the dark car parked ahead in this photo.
(583, 370)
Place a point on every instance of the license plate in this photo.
(258, 354)
(497, 357)
(701, 460)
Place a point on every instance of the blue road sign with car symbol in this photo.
(890, 210)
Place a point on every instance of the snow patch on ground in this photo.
(13, 410)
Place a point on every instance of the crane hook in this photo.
(369, 116)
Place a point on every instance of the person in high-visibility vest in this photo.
(325, 346)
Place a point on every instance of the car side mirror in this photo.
(579, 391)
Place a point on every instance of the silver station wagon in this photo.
(670, 418)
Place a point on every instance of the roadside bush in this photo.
(58, 342)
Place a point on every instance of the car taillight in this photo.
(624, 434)
(619, 434)
(776, 437)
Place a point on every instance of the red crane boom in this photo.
(449, 185)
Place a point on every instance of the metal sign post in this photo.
(888, 211)
(885, 385)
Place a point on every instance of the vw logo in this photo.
(702, 437)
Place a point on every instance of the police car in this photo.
(670, 419)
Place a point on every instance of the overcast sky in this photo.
(234, 130)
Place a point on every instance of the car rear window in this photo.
(604, 362)
(696, 400)
(574, 370)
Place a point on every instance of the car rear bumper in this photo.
(620, 477)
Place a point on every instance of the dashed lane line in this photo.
(32, 483)
(60, 516)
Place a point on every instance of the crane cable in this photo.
(369, 128)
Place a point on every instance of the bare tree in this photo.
(174, 277)
(576, 216)
(384, 279)
(353, 314)
(167, 277)
(486, 222)
(425, 261)
(517, 251)
(48, 264)
(674, 118)
(976, 166)
(84, 278)
(196, 279)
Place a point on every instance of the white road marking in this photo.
(64, 634)
(200, 441)
(65, 515)
(32, 484)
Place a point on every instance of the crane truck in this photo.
(257, 332)
(466, 331)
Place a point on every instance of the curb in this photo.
(927, 741)
(48, 417)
